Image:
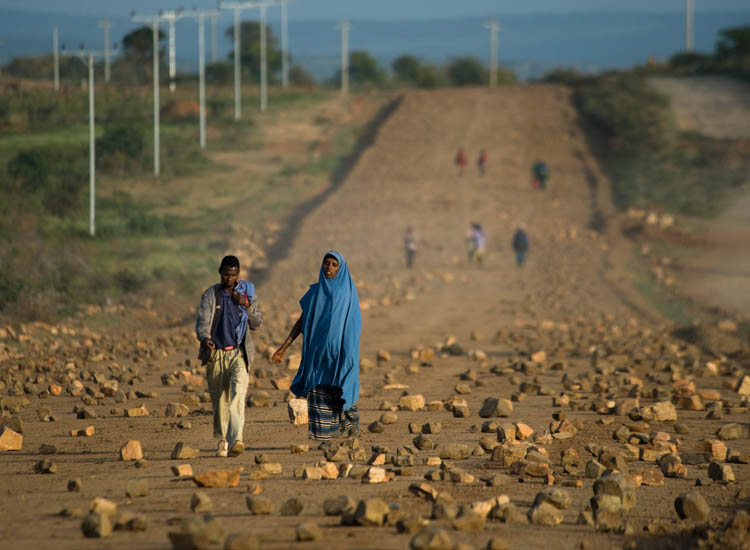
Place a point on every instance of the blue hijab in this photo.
(331, 326)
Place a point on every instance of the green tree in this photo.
(429, 76)
(139, 44)
(467, 71)
(733, 43)
(407, 68)
(250, 50)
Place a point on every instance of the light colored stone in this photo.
(411, 403)
(131, 450)
(218, 478)
(297, 409)
(10, 440)
(308, 531)
(137, 412)
(182, 470)
(177, 410)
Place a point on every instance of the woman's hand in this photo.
(277, 356)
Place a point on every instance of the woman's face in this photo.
(330, 267)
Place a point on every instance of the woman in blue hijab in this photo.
(328, 375)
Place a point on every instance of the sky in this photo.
(381, 9)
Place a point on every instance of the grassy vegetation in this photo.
(150, 233)
(650, 162)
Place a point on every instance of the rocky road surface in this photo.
(501, 407)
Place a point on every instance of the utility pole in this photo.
(345, 27)
(201, 17)
(494, 27)
(263, 60)
(284, 45)
(56, 58)
(105, 24)
(154, 21)
(87, 58)
(171, 16)
(214, 48)
(688, 25)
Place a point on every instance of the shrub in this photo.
(467, 71)
(300, 77)
(407, 68)
(30, 169)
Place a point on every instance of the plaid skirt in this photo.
(326, 417)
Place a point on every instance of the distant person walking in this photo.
(482, 162)
(410, 245)
(461, 160)
(227, 310)
(477, 242)
(540, 171)
(328, 374)
(520, 245)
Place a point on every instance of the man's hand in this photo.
(278, 356)
(240, 299)
(208, 343)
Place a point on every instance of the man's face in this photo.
(229, 276)
(330, 267)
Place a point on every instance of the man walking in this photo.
(520, 245)
(227, 310)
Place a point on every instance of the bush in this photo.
(429, 77)
(364, 69)
(300, 77)
(128, 139)
(691, 62)
(406, 68)
(467, 71)
(633, 117)
(30, 170)
(220, 72)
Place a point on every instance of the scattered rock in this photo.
(371, 512)
(494, 406)
(10, 440)
(136, 488)
(218, 478)
(729, 432)
(200, 503)
(131, 450)
(692, 505)
(411, 403)
(297, 409)
(431, 538)
(291, 507)
(308, 531)
(176, 410)
(259, 505)
(545, 514)
(96, 525)
(720, 472)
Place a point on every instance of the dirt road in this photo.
(570, 300)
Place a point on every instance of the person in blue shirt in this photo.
(228, 309)
(328, 375)
(520, 245)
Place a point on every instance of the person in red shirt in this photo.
(482, 162)
(461, 160)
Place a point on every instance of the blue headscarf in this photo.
(331, 326)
